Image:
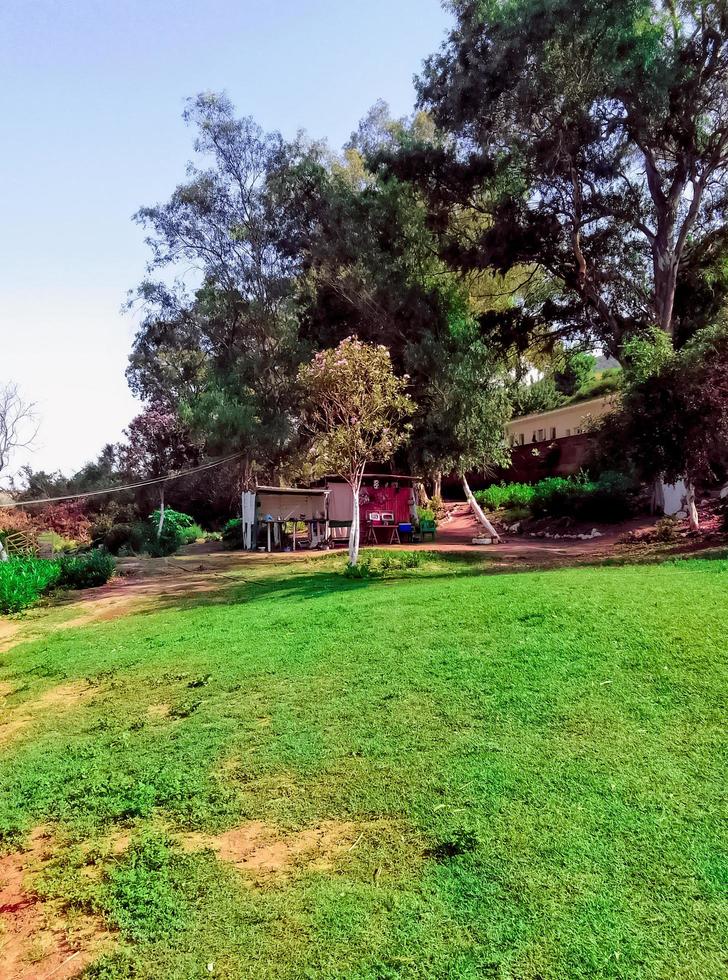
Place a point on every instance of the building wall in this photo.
(559, 423)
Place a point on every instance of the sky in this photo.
(91, 96)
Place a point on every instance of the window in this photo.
(540, 435)
(522, 438)
(553, 433)
(568, 432)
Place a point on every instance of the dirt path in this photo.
(141, 582)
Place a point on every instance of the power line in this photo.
(129, 486)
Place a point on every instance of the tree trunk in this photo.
(355, 526)
(437, 484)
(3, 553)
(690, 507)
(161, 511)
(421, 495)
(478, 510)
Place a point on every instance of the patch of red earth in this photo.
(39, 939)
(260, 850)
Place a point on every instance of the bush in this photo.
(555, 497)
(426, 514)
(24, 580)
(86, 571)
(167, 543)
(359, 571)
(505, 495)
(232, 533)
(609, 499)
(69, 520)
(178, 529)
(130, 538)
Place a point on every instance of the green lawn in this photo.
(535, 765)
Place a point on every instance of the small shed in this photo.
(268, 510)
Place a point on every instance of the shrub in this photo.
(555, 497)
(69, 520)
(232, 533)
(167, 543)
(24, 580)
(177, 527)
(86, 571)
(505, 495)
(426, 514)
(130, 538)
(359, 571)
(609, 499)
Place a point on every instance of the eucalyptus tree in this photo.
(592, 139)
(220, 342)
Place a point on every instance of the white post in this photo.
(478, 510)
(268, 525)
(3, 553)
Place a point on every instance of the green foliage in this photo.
(536, 396)
(232, 533)
(129, 538)
(674, 413)
(87, 570)
(178, 529)
(505, 495)
(360, 570)
(576, 373)
(357, 407)
(23, 580)
(144, 893)
(608, 381)
(609, 499)
(427, 514)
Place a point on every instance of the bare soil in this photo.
(39, 939)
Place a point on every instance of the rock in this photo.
(681, 514)
(724, 492)
(515, 528)
(596, 534)
(482, 541)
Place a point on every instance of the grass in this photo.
(536, 761)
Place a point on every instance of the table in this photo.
(382, 534)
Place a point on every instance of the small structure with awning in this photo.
(268, 512)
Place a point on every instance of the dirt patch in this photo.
(260, 850)
(158, 711)
(38, 938)
(59, 699)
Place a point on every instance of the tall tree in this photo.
(356, 414)
(226, 352)
(593, 137)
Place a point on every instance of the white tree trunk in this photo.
(690, 507)
(3, 553)
(437, 484)
(354, 534)
(478, 510)
(161, 512)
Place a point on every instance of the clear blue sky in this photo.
(91, 94)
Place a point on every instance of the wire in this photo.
(128, 486)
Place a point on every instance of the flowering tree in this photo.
(158, 444)
(356, 413)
